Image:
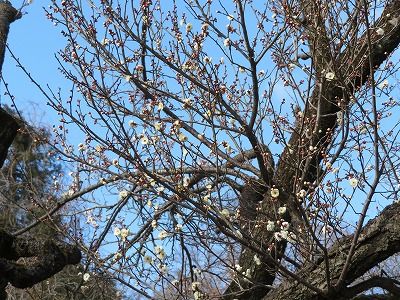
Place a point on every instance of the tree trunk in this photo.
(297, 165)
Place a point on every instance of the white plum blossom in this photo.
(148, 259)
(187, 102)
(195, 285)
(274, 193)
(197, 295)
(285, 225)
(123, 194)
(383, 84)
(177, 125)
(160, 106)
(284, 234)
(238, 268)
(225, 213)
(139, 68)
(154, 223)
(248, 273)
(178, 227)
(270, 226)
(227, 42)
(124, 233)
(197, 271)
(278, 236)
(117, 231)
(144, 140)
(330, 76)
(86, 276)
(163, 234)
(380, 31)
(163, 268)
(257, 260)
(189, 27)
(158, 126)
(206, 198)
(282, 210)
(301, 193)
(160, 252)
(182, 137)
(353, 182)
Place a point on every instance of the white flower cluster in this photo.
(160, 252)
(122, 233)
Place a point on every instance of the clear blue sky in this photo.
(34, 40)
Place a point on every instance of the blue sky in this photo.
(34, 40)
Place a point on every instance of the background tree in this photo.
(29, 186)
(184, 107)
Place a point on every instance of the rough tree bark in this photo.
(380, 238)
(47, 257)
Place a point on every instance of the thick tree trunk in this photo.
(297, 165)
(8, 14)
(47, 257)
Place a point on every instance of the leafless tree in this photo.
(233, 149)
